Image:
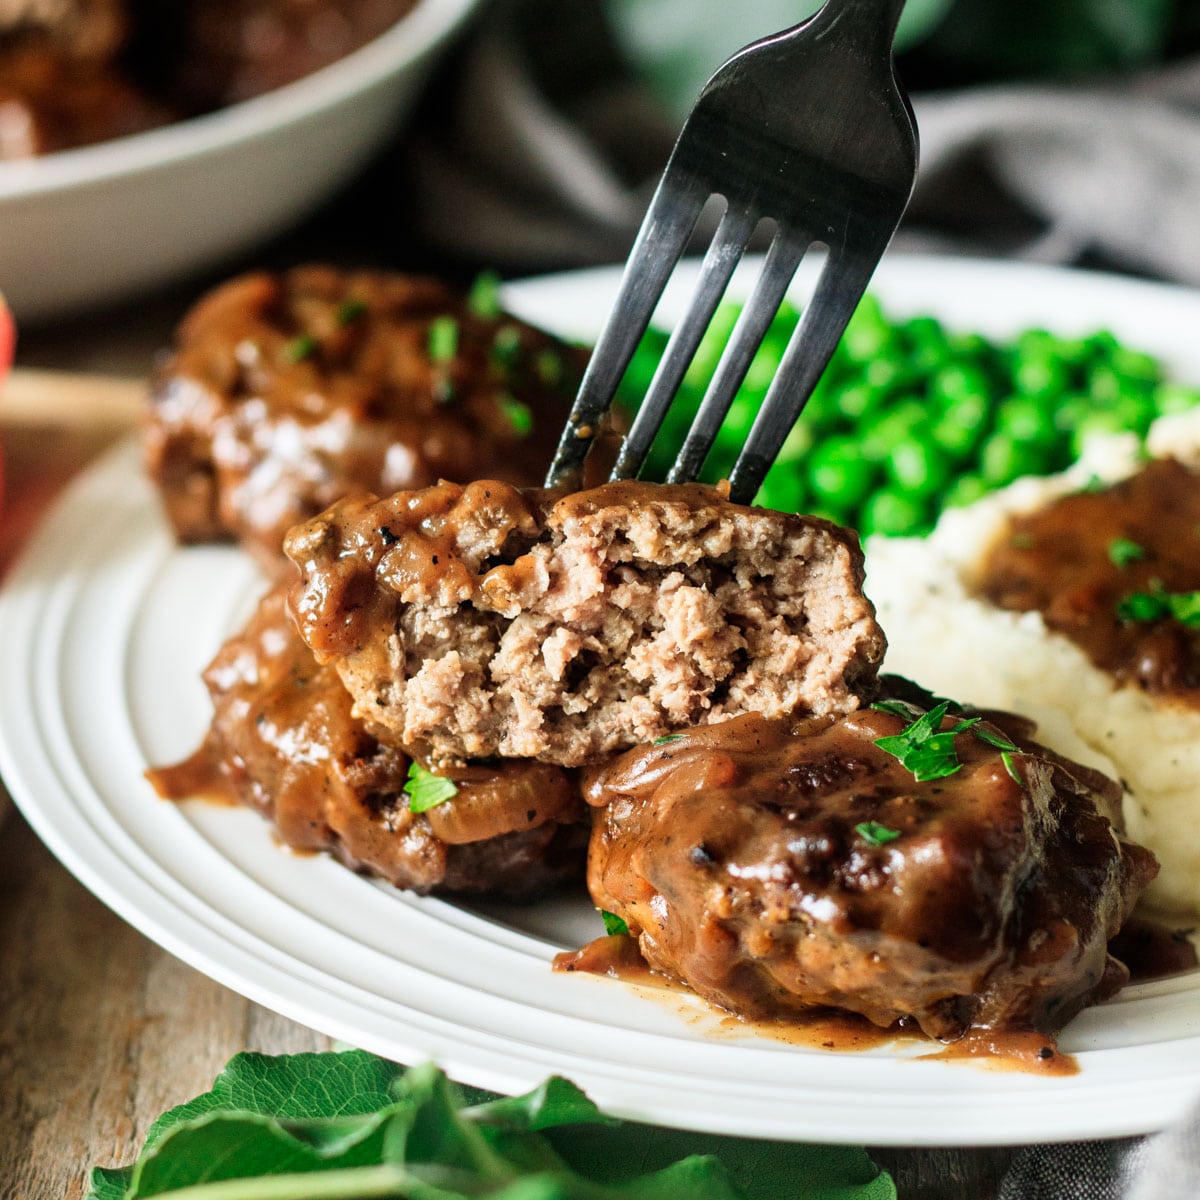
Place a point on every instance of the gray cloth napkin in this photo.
(537, 151)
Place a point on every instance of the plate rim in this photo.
(1145, 1105)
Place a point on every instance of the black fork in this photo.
(808, 128)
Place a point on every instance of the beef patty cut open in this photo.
(284, 742)
(477, 621)
(778, 866)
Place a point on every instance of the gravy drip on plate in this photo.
(1079, 559)
(616, 956)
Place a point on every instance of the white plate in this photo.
(105, 627)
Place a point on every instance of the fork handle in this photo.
(880, 16)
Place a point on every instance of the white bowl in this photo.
(85, 227)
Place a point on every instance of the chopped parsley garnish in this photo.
(425, 790)
(1123, 551)
(994, 737)
(612, 923)
(875, 834)
(1010, 766)
(923, 747)
(506, 345)
(898, 708)
(350, 310)
(519, 415)
(484, 297)
(302, 346)
(1158, 603)
(1022, 541)
(666, 737)
(549, 367)
(443, 339)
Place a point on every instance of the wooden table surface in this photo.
(100, 1030)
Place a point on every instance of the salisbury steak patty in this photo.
(287, 392)
(283, 741)
(478, 621)
(777, 866)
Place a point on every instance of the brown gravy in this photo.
(1059, 561)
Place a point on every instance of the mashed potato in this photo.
(946, 639)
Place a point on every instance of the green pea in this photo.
(1101, 422)
(928, 351)
(958, 382)
(966, 489)
(1069, 410)
(1134, 365)
(783, 489)
(971, 346)
(1038, 375)
(1003, 458)
(796, 445)
(885, 375)
(881, 430)
(1027, 419)
(868, 331)
(1135, 412)
(894, 514)
(838, 474)
(959, 428)
(764, 367)
(643, 364)
(918, 465)
(854, 400)
(1175, 398)
(712, 345)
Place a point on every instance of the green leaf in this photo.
(1157, 604)
(230, 1145)
(923, 747)
(351, 1127)
(300, 1086)
(439, 1134)
(875, 834)
(109, 1183)
(350, 310)
(518, 415)
(425, 790)
(484, 297)
(302, 346)
(1123, 551)
(443, 339)
(993, 737)
(1010, 765)
(556, 1101)
(759, 1169)
(613, 924)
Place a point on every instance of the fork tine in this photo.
(724, 254)
(783, 257)
(668, 224)
(842, 282)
